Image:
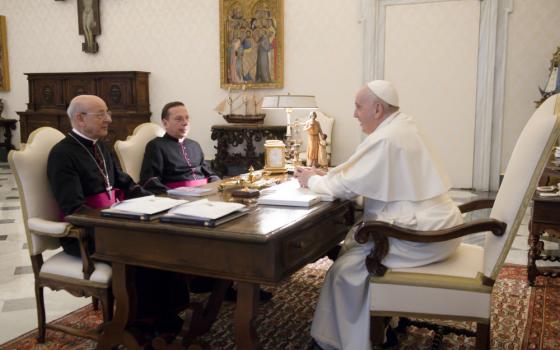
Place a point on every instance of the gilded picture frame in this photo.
(4, 69)
(251, 44)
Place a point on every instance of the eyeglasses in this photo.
(99, 115)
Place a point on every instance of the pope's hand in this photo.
(303, 174)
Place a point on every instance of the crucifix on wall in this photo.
(89, 24)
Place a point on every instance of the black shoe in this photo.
(231, 295)
(333, 253)
(169, 324)
(391, 338)
(313, 345)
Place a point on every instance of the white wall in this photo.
(431, 52)
(178, 42)
(533, 37)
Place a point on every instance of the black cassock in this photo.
(75, 172)
(166, 160)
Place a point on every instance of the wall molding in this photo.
(490, 77)
(485, 95)
(504, 10)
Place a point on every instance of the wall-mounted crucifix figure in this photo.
(89, 24)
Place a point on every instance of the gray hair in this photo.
(73, 108)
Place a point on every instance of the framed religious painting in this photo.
(251, 43)
(4, 71)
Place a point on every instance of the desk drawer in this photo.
(546, 211)
(313, 242)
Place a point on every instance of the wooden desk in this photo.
(545, 217)
(265, 246)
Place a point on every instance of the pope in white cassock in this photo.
(403, 183)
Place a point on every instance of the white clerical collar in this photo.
(388, 120)
(84, 136)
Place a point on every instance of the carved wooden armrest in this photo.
(380, 231)
(80, 234)
(476, 205)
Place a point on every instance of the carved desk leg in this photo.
(115, 333)
(245, 314)
(535, 247)
(203, 319)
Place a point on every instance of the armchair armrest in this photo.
(81, 235)
(50, 228)
(56, 229)
(476, 205)
(380, 231)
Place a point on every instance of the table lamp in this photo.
(289, 103)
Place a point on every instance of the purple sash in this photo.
(187, 183)
(101, 200)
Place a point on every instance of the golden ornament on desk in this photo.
(275, 156)
(247, 192)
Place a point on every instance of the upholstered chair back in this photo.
(131, 151)
(525, 167)
(29, 166)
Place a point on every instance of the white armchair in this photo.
(79, 276)
(131, 151)
(460, 287)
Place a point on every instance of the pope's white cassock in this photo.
(402, 183)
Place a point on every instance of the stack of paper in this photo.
(205, 212)
(289, 199)
(292, 189)
(142, 208)
(191, 191)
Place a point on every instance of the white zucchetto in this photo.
(385, 91)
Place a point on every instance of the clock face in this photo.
(275, 158)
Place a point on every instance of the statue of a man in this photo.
(313, 129)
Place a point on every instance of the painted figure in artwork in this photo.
(234, 61)
(263, 67)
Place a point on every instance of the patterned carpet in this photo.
(523, 318)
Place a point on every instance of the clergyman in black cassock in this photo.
(169, 161)
(83, 173)
(173, 161)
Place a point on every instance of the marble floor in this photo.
(17, 299)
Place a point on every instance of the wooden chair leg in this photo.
(107, 304)
(482, 336)
(95, 303)
(40, 313)
(377, 332)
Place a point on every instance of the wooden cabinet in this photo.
(248, 138)
(126, 95)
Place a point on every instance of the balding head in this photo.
(83, 104)
(89, 115)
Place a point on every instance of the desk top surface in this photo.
(263, 223)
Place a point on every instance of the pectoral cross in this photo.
(89, 24)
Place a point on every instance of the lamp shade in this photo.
(289, 101)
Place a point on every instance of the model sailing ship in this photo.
(241, 107)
